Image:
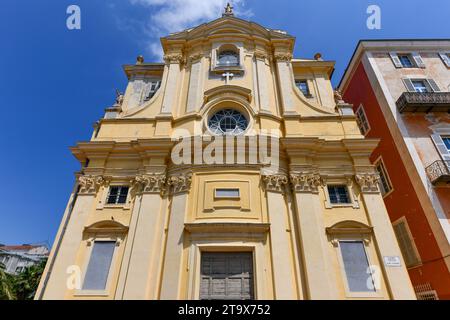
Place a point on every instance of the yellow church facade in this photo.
(230, 171)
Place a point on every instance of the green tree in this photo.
(26, 283)
(6, 285)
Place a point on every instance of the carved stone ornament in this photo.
(174, 58)
(194, 57)
(305, 182)
(368, 182)
(180, 183)
(155, 183)
(260, 55)
(277, 182)
(90, 184)
(283, 56)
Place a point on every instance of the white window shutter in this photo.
(395, 59)
(433, 85)
(440, 146)
(445, 58)
(409, 85)
(418, 59)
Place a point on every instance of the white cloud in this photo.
(169, 16)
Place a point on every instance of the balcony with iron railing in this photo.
(438, 172)
(424, 102)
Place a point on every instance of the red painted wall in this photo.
(403, 200)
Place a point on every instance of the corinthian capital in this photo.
(283, 56)
(180, 183)
(174, 58)
(305, 182)
(276, 182)
(155, 183)
(90, 184)
(368, 182)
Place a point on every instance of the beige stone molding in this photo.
(150, 183)
(174, 58)
(232, 227)
(283, 57)
(260, 55)
(90, 184)
(179, 183)
(276, 182)
(368, 182)
(194, 57)
(305, 182)
(349, 228)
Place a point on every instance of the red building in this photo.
(400, 93)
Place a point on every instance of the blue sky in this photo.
(55, 83)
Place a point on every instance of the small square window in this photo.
(302, 85)
(406, 60)
(117, 195)
(227, 193)
(339, 194)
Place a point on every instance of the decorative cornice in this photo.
(260, 55)
(90, 184)
(180, 183)
(174, 58)
(368, 182)
(305, 182)
(283, 57)
(155, 183)
(276, 182)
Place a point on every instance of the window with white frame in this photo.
(151, 89)
(99, 265)
(339, 194)
(362, 121)
(117, 195)
(421, 85)
(406, 60)
(227, 193)
(356, 266)
(385, 183)
(446, 140)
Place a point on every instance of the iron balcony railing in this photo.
(424, 102)
(439, 171)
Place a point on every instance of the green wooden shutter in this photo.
(440, 146)
(406, 244)
(409, 85)
(433, 85)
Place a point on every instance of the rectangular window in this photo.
(99, 265)
(152, 89)
(385, 185)
(227, 193)
(446, 142)
(356, 266)
(406, 243)
(361, 118)
(420, 86)
(302, 85)
(406, 61)
(117, 195)
(339, 194)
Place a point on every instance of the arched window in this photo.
(228, 56)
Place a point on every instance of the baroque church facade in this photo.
(141, 224)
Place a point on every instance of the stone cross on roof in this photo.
(228, 11)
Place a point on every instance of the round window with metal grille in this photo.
(228, 122)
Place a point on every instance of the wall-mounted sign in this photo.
(392, 261)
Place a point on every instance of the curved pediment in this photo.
(228, 90)
(106, 226)
(349, 227)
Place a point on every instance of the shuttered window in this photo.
(362, 121)
(407, 60)
(445, 58)
(226, 276)
(406, 244)
(421, 85)
(442, 144)
(385, 184)
(99, 264)
(356, 266)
